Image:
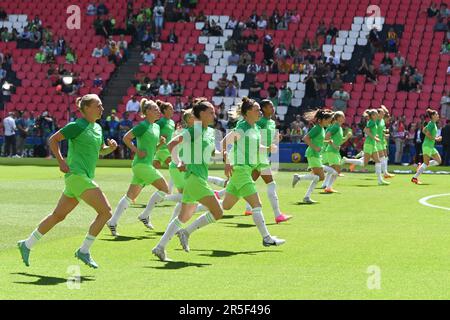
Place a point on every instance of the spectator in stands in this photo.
(235, 81)
(332, 31)
(230, 90)
(173, 37)
(156, 44)
(102, 9)
(285, 97)
(375, 39)
(399, 61)
(165, 89)
(413, 86)
(445, 133)
(202, 58)
(112, 123)
(367, 71)
(443, 11)
(321, 29)
(253, 68)
(403, 84)
(233, 59)
(245, 59)
(340, 98)
(201, 17)
(232, 23)
(133, 105)
(125, 125)
(337, 83)
(284, 66)
(9, 127)
(149, 57)
(268, 49)
(71, 57)
(385, 68)
(3, 14)
(262, 22)
(294, 17)
(158, 13)
(306, 45)
(253, 37)
(440, 25)
(253, 20)
(275, 19)
(399, 135)
(216, 30)
(432, 11)
(40, 57)
(281, 52)
(2, 73)
(230, 44)
(310, 86)
(146, 40)
(272, 90)
(222, 84)
(91, 9)
(178, 89)
(179, 105)
(97, 52)
(190, 58)
(391, 41)
(255, 90)
(445, 106)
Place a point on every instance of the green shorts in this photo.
(333, 158)
(370, 148)
(428, 151)
(241, 184)
(144, 175)
(381, 146)
(76, 185)
(314, 162)
(177, 177)
(162, 155)
(198, 189)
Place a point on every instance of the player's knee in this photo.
(226, 206)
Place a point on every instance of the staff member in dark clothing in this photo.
(446, 143)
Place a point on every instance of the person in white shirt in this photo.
(232, 23)
(165, 89)
(97, 52)
(9, 125)
(133, 105)
(262, 24)
(159, 16)
(91, 10)
(190, 58)
(149, 57)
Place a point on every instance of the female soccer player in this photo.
(147, 134)
(428, 149)
(315, 140)
(383, 113)
(85, 145)
(263, 170)
(370, 146)
(245, 139)
(178, 178)
(198, 147)
(167, 128)
(332, 156)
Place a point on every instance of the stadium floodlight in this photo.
(67, 80)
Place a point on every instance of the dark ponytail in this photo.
(318, 115)
(431, 113)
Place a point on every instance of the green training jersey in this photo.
(167, 129)
(85, 142)
(381, 125)
(372, 125)
(198, 148)
(270, 128)
(246, 149)
(337, 135)
(432, 129)
(147, 136)
(317, 135)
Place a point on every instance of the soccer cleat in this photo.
(113, 230)
(282, 218)
(388, 175)
(330, 190)
(383, 183)
(352, 167)
(248, 213)
(184, 239)
(360, 155)
(86, 258)
(24, 252)
(309, 201)
(272, 241)
(295, 180)
(146, 223)
(416, 181)
(161, 254)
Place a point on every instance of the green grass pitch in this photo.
(331, 250)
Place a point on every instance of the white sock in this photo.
(326, 181)
(358, 162)
(273, 198)
(433, 163)
(217, 181)
(174, 226)
(315, 180)
(332, 180)
(330, 173)
(308, 177)
(258, 218)
(222, 192)
(34, 237)
(421, 169)
(383, 165)
(200, 222)
(157, 197)
(378, 172)
(170, 185)
(176, 211)
(174, 197)
(121, 207)
(248, 207)
(87, 243)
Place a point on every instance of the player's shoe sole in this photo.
(24, 252)
(86, 259)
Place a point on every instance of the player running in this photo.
(147, 134)
(431, 156)
(383, 113)
(315, 141)
(198, 147)
(370, 146)
(332, 156)
(85, 145)
(263, 170)
(167, 128)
